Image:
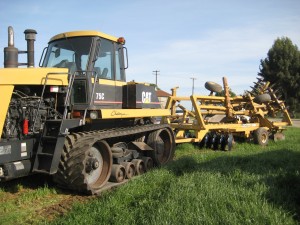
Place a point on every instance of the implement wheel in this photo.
(262, 98)
(85, 168)
(261, 136)
(163, 143)
(212, 86)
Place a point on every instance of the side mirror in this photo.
(57, 53)
(125, 56)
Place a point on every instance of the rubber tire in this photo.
(158, 138)
(71, 172)
(212, 86)
(261, 136)
(262, 98)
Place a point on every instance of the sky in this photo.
(187, 39)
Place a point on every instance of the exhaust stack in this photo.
(10, 52)
(30, 38)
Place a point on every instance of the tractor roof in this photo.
(83, 33)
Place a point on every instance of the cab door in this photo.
(109, 69)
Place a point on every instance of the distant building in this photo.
(162, 97)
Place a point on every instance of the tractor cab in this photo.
(87, 51)
(96, 67)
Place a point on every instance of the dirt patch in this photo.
(296, 123)
(37, 197)
(59, 209)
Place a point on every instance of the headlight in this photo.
(93, 115)
(1, 172)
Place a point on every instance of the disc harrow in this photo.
(215, 121)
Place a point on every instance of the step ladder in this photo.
(51, 143)
(50, 148)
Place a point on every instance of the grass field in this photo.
(249, 185)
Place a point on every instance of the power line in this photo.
(156, 74)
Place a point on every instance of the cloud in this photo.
(234, 52)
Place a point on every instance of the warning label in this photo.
(5, 150)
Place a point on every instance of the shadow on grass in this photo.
(279, 171)
(33, 182)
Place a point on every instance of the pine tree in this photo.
(281, 67)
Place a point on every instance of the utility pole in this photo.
(193, 78)
(156, 74)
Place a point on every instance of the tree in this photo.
(282, 69)
(222, 93)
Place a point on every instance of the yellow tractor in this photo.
(75, 117)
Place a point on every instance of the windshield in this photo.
(72, 53)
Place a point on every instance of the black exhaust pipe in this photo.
(30, 38)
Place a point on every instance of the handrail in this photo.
(41, 98)
(68, 94)
(93, 90)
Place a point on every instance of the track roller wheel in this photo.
(85, 168)
(261, 136)
(129, 169)
(118, 173)
(139, 166)
(148, 161)
(163, 143)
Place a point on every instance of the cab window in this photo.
(110, 54)
(104, 64)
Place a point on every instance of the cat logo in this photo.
(146, 97)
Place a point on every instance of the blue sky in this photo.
(182, 39)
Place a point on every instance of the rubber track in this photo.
(70, 171)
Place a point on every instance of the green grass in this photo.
(249, 185)
(20, 204)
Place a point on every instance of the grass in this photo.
(249, 185)
(19, 203)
